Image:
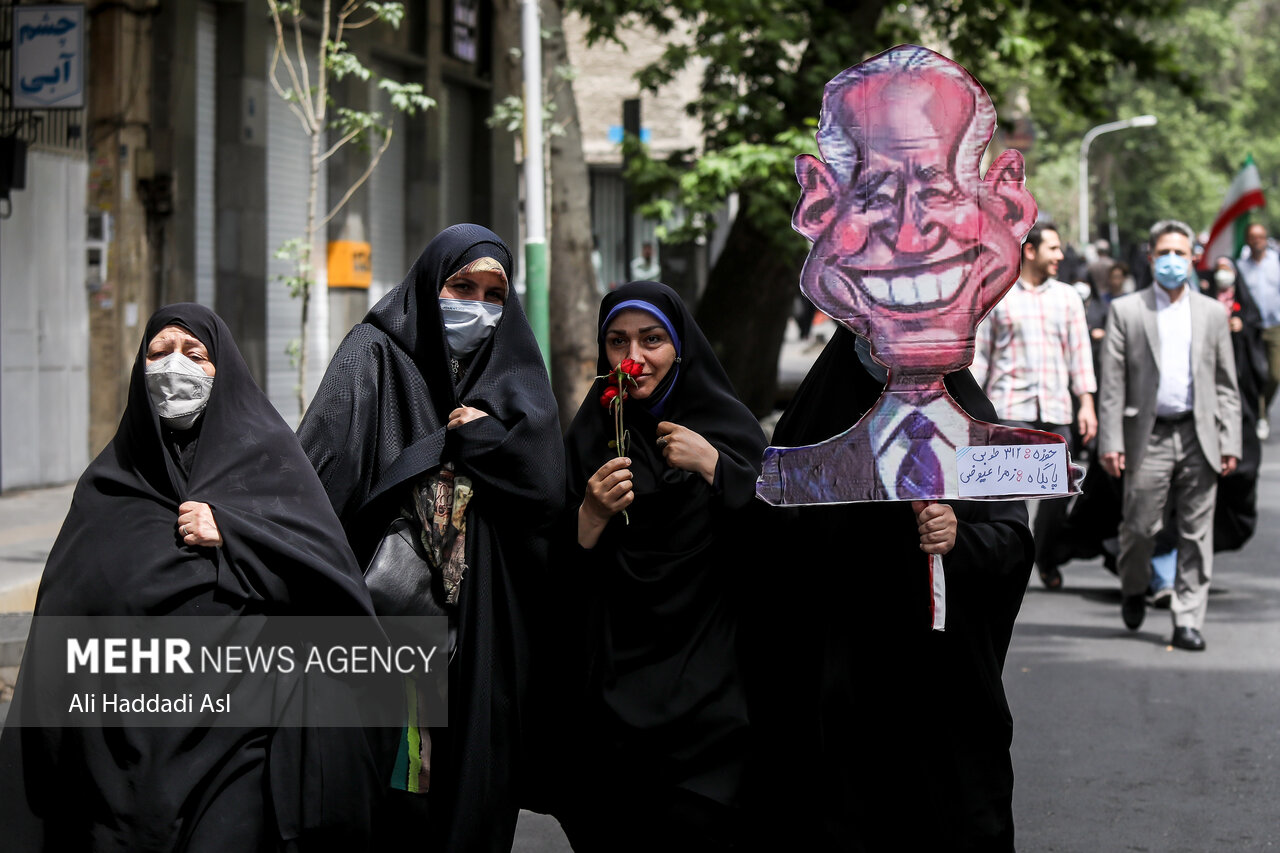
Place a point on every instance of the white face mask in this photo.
(1224, 278)
(179, 389)
(468, 323)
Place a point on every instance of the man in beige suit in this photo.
(1169, 418)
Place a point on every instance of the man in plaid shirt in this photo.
(1032, 353)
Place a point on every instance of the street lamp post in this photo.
(1136, 121)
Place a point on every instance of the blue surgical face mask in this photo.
(468, 323)
(1171, 271)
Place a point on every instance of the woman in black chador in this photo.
(658, 709)
(203, 504)
(890, 734)
(437, 409)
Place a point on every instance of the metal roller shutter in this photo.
(387, 204)
(287, 183)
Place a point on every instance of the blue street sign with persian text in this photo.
(48, 57)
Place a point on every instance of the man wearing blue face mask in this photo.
(1169, 419)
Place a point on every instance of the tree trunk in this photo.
(574, 301)
(744, 311)
(752, 287)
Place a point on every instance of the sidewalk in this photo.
(29, 522)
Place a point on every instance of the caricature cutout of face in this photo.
(911, 247)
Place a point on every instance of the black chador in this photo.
(661, 719)
(119, 553)
(375, 427)
(890, 734)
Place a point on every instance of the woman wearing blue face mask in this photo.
(437, 410)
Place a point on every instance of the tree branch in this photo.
(292, 104)
(341, 142)
(307, 118)
(322, 67)
(373, 164)
(306, 77)
(360, 25)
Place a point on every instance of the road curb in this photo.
(13, 637)
(20, 597)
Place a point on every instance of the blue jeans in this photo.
(1163, 568)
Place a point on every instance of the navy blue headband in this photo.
(650, 308)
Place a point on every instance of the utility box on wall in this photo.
(350, 264)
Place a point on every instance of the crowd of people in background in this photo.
(625, 675)
(1188, 379)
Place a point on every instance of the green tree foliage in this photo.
(1182, 166)
(765, 64)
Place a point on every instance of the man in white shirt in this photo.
(1260, 268)
(646, 267)
(1169, 419)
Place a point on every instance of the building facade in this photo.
(605, 78)
(185, 173)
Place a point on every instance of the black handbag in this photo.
(402, 583)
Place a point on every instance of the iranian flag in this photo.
(1227, 234)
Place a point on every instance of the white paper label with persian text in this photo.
(999, 470)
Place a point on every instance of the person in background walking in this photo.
(1171, 422)
(1031, 355)
(1260, 269)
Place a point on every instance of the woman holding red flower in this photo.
(662, 461)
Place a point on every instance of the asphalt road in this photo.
(1122, 743)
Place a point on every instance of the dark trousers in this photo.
(1051, 513)
(634, 820)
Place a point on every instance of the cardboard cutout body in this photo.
(911, 248)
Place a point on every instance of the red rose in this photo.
(606, 399)
(631, 368)
(1235, 307)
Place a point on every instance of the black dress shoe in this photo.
(1188, 638)
(1134, 609)
(1051, 578)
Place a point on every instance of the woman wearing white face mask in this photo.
(179, 377)
(203, 504)
(436, 411)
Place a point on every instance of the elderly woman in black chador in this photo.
(887, 717)
(203, 504)
(437, 409)
(658, 707)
